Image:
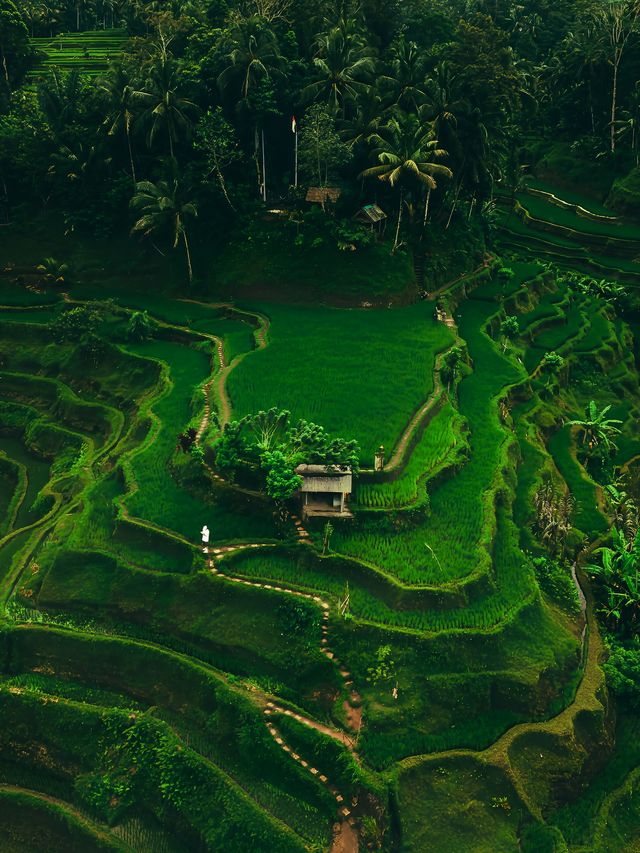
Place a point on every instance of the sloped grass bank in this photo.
(217, 719)
(28, 818)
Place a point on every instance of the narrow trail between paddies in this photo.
(347, 838)
(431, 406)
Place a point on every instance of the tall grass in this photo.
(439, 445)
(446, 545)
(158, 498)
(360, 373)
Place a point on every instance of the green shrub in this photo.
(556, 581)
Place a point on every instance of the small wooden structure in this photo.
(322, 195)
(373, 216)
(325, 490)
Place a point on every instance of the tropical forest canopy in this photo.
(446, 103)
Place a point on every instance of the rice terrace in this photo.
(319, 444)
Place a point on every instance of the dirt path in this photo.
(397, 457)
(346, 837)
(260, 333)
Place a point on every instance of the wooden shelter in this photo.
(373, 216)
(322, 195)
(325, 490)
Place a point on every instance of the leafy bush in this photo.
(555, 580)
(622, 669)
(140, 326)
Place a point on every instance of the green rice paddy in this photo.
(360, 373)
(87, 52)
(118, 629)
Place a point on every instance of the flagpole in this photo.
(264, 171)
(294, 129)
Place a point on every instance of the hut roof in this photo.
(371, 213)
(325, 478)
(321, 195)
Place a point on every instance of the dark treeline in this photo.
(431, 108)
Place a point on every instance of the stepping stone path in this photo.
(342, 811)
(271, 708)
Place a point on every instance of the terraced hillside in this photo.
(87, 52)
(414, 683)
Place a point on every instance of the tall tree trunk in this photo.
(188, 254)
(5, 68)
(397, 237)
(426, 208)
(453, 206)
(264, 170)
(256, 148)
(223, 187)
(614, 97)
(133, 168)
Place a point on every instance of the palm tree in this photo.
(403, 149)
(405, 82)
(618, 19)
(597, 428)
(473, 170)
(365, 122)
(342, 66)
(162, 209)
(629, 125)
(60, 97)
(122, 102)
(166, 110)
(253, 61)
(254, 56)
(582, 52)
(443, 107)
(53, 270)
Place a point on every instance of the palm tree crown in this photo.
(162, 208)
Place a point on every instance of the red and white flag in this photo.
(294, 125)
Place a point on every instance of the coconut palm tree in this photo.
(597, 429)
(403, 149)
(365, 121)
(253, 62)
(443, 106)
(60, 98)
(122, 107)
(166, 111)
(342, 66)
(162, 208)
(404, 84)
(581, 54)
(254, 55)
(629, 124)
(618, 19)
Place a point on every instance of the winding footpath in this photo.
(346, 838)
